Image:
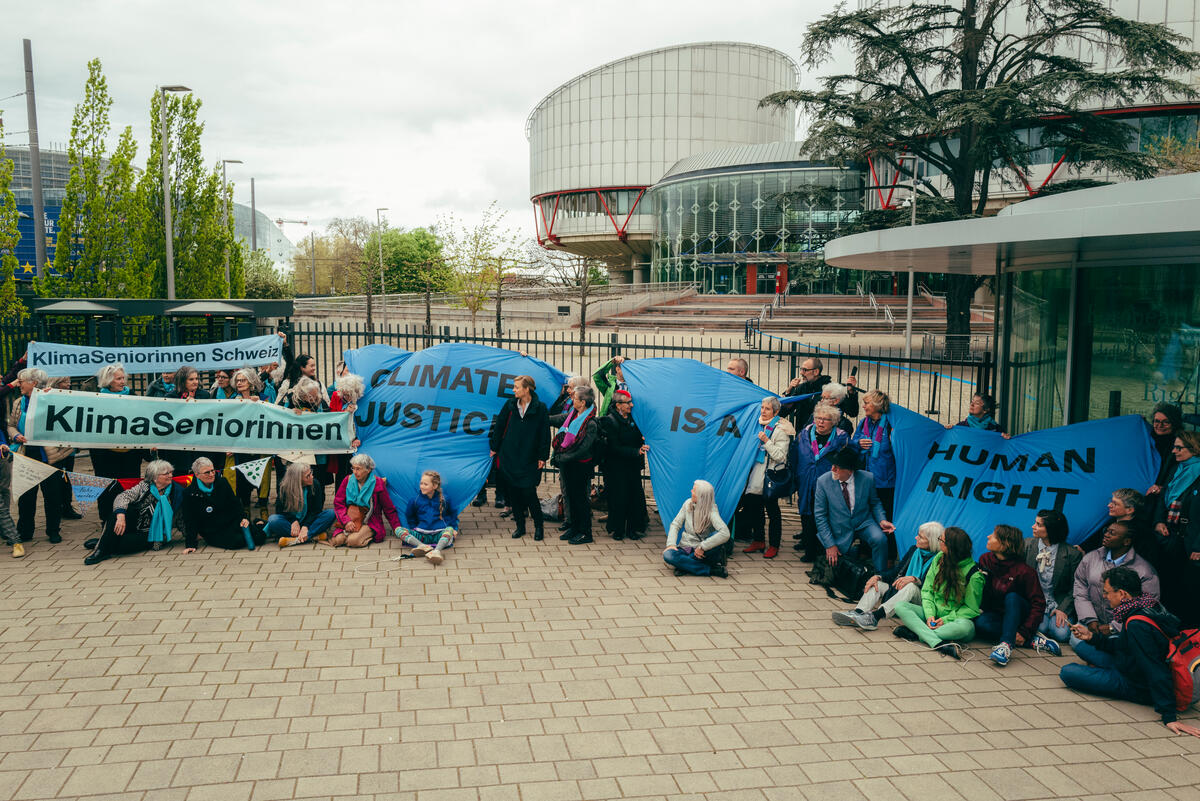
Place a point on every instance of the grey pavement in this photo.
(519, 671)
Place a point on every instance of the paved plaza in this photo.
(519, 671)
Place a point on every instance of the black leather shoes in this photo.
(538, 535)
(95, 557)
(92, 543)
(516, 535)
(580, 539)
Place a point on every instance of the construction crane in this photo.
(312, 248)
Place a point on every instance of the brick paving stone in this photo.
(516, 673)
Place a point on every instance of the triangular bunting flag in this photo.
(253, 471)
(88, 488)
(28, 473)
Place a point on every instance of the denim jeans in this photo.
(1100, 677)
(278, 525)
(1002, 626)
(1053, 630)
(687, 562)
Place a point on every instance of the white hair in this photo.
(201, 463)
(826, 410)
(350, 387)
(106, 374)
(835, 390)
(362, 460)
(156, 468)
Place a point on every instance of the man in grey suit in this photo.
(848, 506)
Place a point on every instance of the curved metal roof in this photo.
(646, 53)
(1129, 223)
(773, 155)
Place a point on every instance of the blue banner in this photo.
(695, 418)
(83, 360)
(431, 410)
(977, 479)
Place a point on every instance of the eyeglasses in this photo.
(1178, 448)
(206, 472)
(627, 403)
(1161, 421)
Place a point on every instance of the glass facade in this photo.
(1135, 342)
(716, 228)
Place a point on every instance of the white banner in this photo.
(28, 473)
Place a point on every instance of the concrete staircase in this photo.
(809, 314)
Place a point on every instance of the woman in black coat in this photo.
(574, 446)
(520, 444)
(211, 510)
(622, 457)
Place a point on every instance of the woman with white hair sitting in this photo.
(212, 511)
(697, 537)
(363, 508)
(143, 516)
(901, 584)
(348, 391)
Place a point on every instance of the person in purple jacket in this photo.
(1013, 604)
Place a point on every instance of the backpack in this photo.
(1183, 658)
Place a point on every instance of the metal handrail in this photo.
(874, 304)
(887, 314)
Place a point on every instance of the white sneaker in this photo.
(845, 618)
(866, 621)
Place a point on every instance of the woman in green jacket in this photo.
(949, 600)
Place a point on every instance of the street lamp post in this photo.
(912, 202)
(168, 231)
(382, 288)
(224, 188)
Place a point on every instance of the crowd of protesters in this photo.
(1118, 599)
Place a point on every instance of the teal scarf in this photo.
(164, 516)
(769, 430)
(918, 564)
(107, 391)
(24, 409)
(205, 488)
(1186, 474)
(985, 422)
(360, 495)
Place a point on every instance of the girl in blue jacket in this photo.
(430, 523)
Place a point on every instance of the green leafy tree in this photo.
(95, 255)
(1173, 156)
(409, 257)
(11, 308)
(325, 261)
(197, 206)
(957, 84)
(353, 267)
(262, 280)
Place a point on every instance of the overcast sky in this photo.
(339, 108)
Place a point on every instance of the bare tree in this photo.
(350, 235)
(478, 256)
(571, 277)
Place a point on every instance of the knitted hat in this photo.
(621, 395)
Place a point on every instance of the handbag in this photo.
(778, 483)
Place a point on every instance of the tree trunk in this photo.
(583, 301)
(960, 289)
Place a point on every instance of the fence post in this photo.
(932, 410)
(614, 349)
(1114, 403)
(792, 363)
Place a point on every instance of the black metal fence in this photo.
(931, 384)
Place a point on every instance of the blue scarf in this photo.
(1186, 474)
(918, 565)
(986, 422)
(24, 409)
(168, 388)
(360, 495)
(304, 501)
(882, 429)
(164, 516)
(107, 391)
(769, 430)
(206, 489)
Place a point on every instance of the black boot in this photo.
(538, 533)
(481, 498)
(92, 543)
(539, 521)
(95, 557)
(520, 532)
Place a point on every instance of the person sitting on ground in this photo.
(901, 584)
(1131, 665)
(697, 537)
(950, 598)
(817, 443)
(1116, 550)
(981, 414)
(143, 516)
(430, 522)
(774, 439)
(348, 391)
(363, 507)
(300, 513)
(1055, 562)
(846, 506)
(1013, 605)
(211, 510)
(163, 386)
